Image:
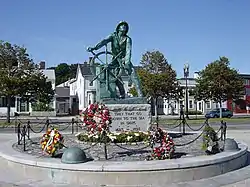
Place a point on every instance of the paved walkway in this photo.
(239, 178)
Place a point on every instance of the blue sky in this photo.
(197, 31)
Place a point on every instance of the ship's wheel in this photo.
(109, 69)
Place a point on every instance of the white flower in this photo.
(90, 135)
(77, 134)
(137, 134)
(117, 133)
(107, 122)
(96, 136)
(112, 138)
(129, 137)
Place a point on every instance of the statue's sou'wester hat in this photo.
(122, 23)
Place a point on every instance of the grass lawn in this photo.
(5, 124)
(201, 121)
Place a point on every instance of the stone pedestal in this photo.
(130, 117)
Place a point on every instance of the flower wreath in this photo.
(166, 145)
(96, 118)
(52, 141)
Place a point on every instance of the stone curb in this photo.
(221, 180)
(115, 166)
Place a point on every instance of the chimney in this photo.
(42, 65)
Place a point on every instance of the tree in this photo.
(219, 83)
(64, 72)
(20, 76)
(133, 91)
(157, 77)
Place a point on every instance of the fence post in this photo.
(72, 125)
(77, 120)
(28, 129)
(24, 140)
(47, 124)
(105, 144)
(18, 133)
(16, 124)
(223, 130)
(183, 126)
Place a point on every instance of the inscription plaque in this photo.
(130, 117)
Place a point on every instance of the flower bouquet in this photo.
(52, 141)
(166, 148)
(96, 118)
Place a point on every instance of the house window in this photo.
(208, 105)
(3, 102)
(191, 104)
(91, 83)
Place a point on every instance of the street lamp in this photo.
(186, 74)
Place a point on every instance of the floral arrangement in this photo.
(210, 140)
(96, 118)
(165, 148)
(116, 137)
(52, 141)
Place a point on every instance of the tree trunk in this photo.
(8, 108)
(220, 109)
(156, 113)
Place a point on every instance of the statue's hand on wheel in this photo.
(90, 49)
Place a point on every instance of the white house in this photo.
(169, 107)
(24, 107)
(82, 90)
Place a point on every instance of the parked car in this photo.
(215, 113)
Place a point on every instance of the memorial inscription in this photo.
(125, 118)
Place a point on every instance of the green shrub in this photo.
(209, 135)
(124, 137)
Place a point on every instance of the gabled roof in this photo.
(49, 73)
(62, 91)
(245, 76)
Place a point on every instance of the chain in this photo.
(37, 131)
(170, 127)
(195, 129)
(179, 145)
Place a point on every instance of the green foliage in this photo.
(64, 72)
(219, 82)
(20, 76)
(133, 92)
(124, 137)
(209, 135)
(157, 77)
(40, 106)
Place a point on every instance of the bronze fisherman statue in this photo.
(121, 45)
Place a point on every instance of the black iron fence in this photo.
(24, 130)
